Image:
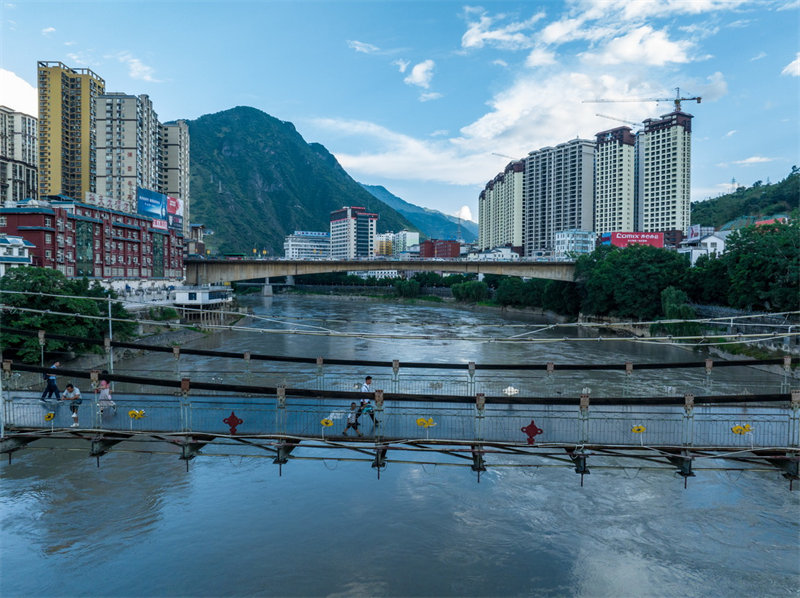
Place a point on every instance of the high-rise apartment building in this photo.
(67, 129)
(665, 173)
(18, 156)
(352, 233)
(615, 167)
(558, 193)
(500, 208)
(384, 243)
(175, 166)
(404, 240)
(128, 147)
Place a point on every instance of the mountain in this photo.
(757, 201)
(431, 223)
(254, 180)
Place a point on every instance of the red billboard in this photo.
(625, 239)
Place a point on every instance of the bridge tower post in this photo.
(395, 375)
(266, 290)
(471, 378)
(186, 406)
(320, 374)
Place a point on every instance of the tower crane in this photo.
(503, 156)
(622, 120)
(676, 100)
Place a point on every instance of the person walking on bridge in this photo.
(51, 388)
(367, 386)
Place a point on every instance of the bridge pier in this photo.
(11, 445)
(102, 444)
(266, 290)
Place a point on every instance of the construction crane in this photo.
(676, 100)
(503, 156)
(622, 120)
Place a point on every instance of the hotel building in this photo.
(352, 233)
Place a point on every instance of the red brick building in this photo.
(79, 239)
(440, 248)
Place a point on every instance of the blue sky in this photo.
(419, 96)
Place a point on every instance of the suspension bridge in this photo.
(683, 434)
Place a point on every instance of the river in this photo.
(141, 525)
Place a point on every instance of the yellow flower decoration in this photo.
(746, 428)
(737, 429)
(425, 423)
(48, 417)
(638, 429)
(140, 414)
(326, 422)
(133, 414)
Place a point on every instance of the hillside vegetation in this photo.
(758, 200)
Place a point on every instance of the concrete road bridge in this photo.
(205, 271)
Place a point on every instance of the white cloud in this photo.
(753, 160)
(758, 56)
(464, 213)
(362, 47)
(715, 89)
(637, 10)
(793, 68)
(642, 45)
(401, 64)
(421, 74)
(507, 37)
(429, 95)
(540, 57)
(48, 30)
(731, 133)
(137, 69)
(18, 94)
(499, 62)
(403, 157)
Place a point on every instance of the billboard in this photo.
(622, 239)
(175, 213)
(152, 204)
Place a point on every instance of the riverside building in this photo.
(614, 197)
(174, 139)
(307, 245)
(19, 156)
(665, 171)
(558, 193)
(67, 129)
(80, 239)
(352, 233)
(500, 209)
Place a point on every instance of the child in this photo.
(105, 397)
(352, 420)
(366, 407)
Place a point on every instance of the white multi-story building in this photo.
(175, 166)
(14, 251)
(19, 156)
(558, 193)
(569, 243)
(665, 173)
(307, 245)
(403, 241)
(352, 233)
(500, 208)
(128, 149)
(615, 164)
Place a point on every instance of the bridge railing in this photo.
(737, 428)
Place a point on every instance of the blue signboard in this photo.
(152, 204)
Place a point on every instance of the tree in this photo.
(764, 267)
(627, 282)
(52, 282)
(471, 291)
(510, 291)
